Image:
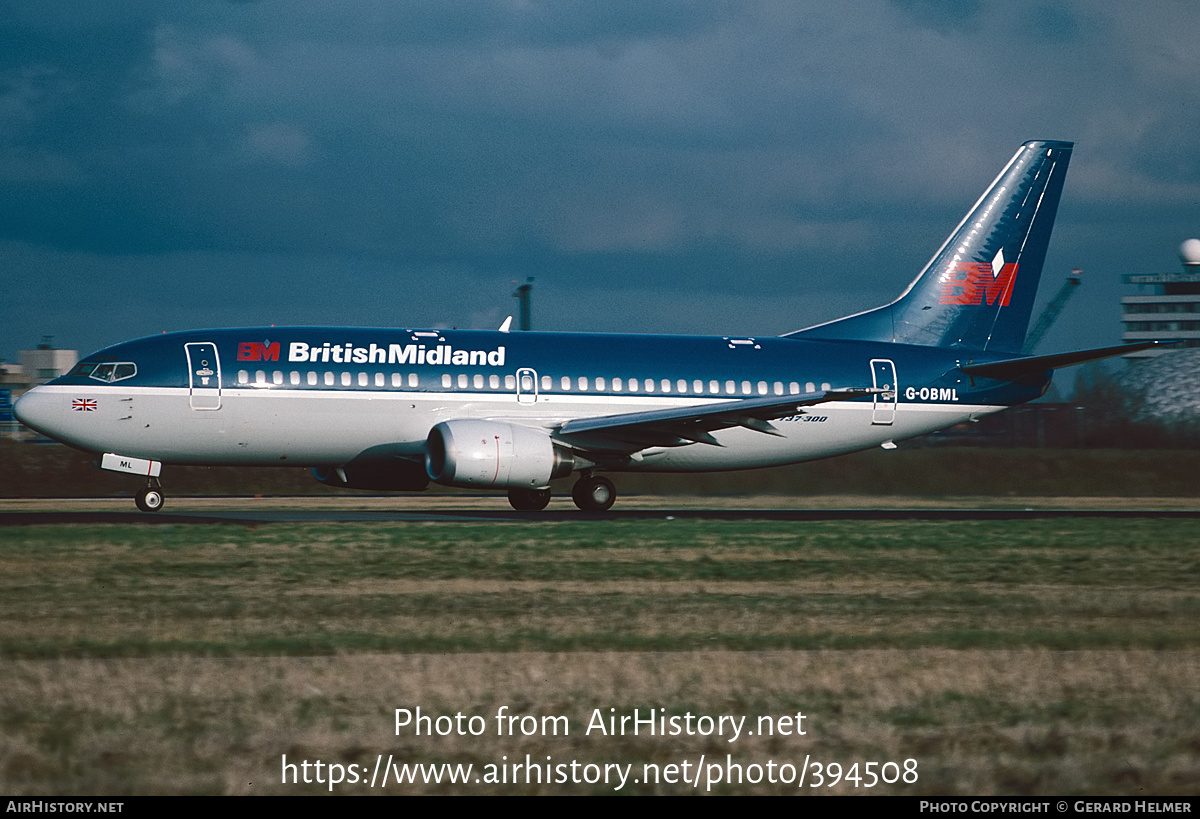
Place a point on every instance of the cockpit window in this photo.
(114, 371)
(84, 368)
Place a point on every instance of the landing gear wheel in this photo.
(594, 494)
(529, 500)
(149, 499)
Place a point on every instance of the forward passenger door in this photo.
(204, 375)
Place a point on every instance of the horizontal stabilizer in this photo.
(1013, 368)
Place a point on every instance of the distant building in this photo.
(13, 377)
(1170, 311)
(37, 367)
(46, 363)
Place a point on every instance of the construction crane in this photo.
(1052, 310)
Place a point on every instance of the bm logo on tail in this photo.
(970, 283)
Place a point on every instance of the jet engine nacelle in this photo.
(493, 454)
(393, 475)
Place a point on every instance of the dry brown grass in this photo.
(1046, 657)
(978, 722)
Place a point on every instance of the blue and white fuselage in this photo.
(279, 406)
(394, 409)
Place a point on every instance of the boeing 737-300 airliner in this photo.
(393, 409)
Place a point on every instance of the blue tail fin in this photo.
(978, 289)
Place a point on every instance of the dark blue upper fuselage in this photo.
(437, 357)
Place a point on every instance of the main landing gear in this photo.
(529, 500)
(591, 493)
(150, 497)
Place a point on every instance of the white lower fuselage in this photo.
(281, 427)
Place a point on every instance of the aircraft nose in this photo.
(37, 410)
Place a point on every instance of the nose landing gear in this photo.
(150, 497)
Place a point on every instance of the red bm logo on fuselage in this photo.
(258, 351)
(978, 283)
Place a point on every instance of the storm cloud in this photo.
(705, 167)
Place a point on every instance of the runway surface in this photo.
(255, 517)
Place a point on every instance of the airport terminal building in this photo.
(1166, 307)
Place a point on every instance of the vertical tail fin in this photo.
(978, 289)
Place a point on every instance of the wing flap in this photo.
(677, 426)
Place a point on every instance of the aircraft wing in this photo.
(678, 426)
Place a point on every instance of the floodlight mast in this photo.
(523, 295)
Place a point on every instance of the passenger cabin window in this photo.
(110, 372)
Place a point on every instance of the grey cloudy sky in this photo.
(702, 167)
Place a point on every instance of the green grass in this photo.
(118, 591)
